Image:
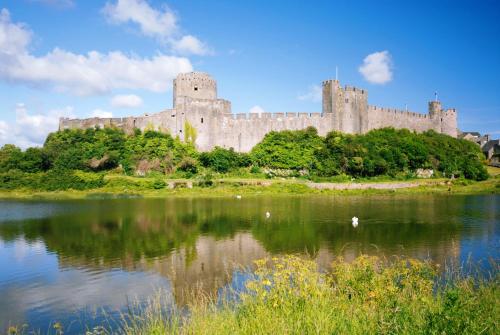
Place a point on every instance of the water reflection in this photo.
(82, 255)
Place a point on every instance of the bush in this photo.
(221, 160)
(52, 180)
(206, 180)
(254, 169)
(158, 184)
(289, 150)
(379, 152)
(188, 164)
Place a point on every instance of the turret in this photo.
(445, 122)
(435, 109)
(449, 124)
(196, 85)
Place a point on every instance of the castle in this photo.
(199, 115)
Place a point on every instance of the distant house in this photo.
(491, 150)
(475, 137)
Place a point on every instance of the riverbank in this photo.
(123, 187)
(290, 295)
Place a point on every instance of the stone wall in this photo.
(243, 131)
(196, 104)
(389, 117)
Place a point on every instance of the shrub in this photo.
(158, 184)
(220, 159)
(188, 164)
(291, 150)
(206, 180)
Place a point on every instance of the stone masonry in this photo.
(198, 113)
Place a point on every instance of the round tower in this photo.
(435, 109)
(196, 85)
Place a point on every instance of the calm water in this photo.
(70, 261)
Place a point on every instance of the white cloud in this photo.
(157, 23)
(14, 37)
(93, 73)
(313, 94)
(190, 45)
(126, 101)
(153, 23)
(257, 109)
(101, 113)
(4, 128)
(377, 67)
(30, 130)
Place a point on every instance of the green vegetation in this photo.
(289, 295)
(78, 159)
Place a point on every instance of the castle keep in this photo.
(199, 114)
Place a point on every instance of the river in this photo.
(82, 262)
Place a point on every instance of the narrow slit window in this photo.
(201, 120)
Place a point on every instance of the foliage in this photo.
(190, 133)
(159, 184)
(224, 160)
(290, 295)
(288, 149)
(379, 152)
(188, 164)
(301, 153)
(52, 180)
(206, 180)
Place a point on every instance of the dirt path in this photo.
(366, 186)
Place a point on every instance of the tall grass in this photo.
(290, 295)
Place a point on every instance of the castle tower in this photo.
(435, 114)
(333, 97)
(435, 109)
(355, 118)
(348, 106)
(196, 85)
(449, 124)
(444, 121)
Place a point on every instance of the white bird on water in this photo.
(268, 215)
(354, 222)
(238, 196)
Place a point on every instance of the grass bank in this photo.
(289, 295)
(123, 186)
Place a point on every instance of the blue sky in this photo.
(118, 57)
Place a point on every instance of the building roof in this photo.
(473, 133)
(490, 144)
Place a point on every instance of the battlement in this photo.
(197, 85)
(450, 111)
(277, 115)
(397, 111)
(335, 81)
(354, 89)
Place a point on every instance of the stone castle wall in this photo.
(196, 104)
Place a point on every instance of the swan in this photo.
(354, 222)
